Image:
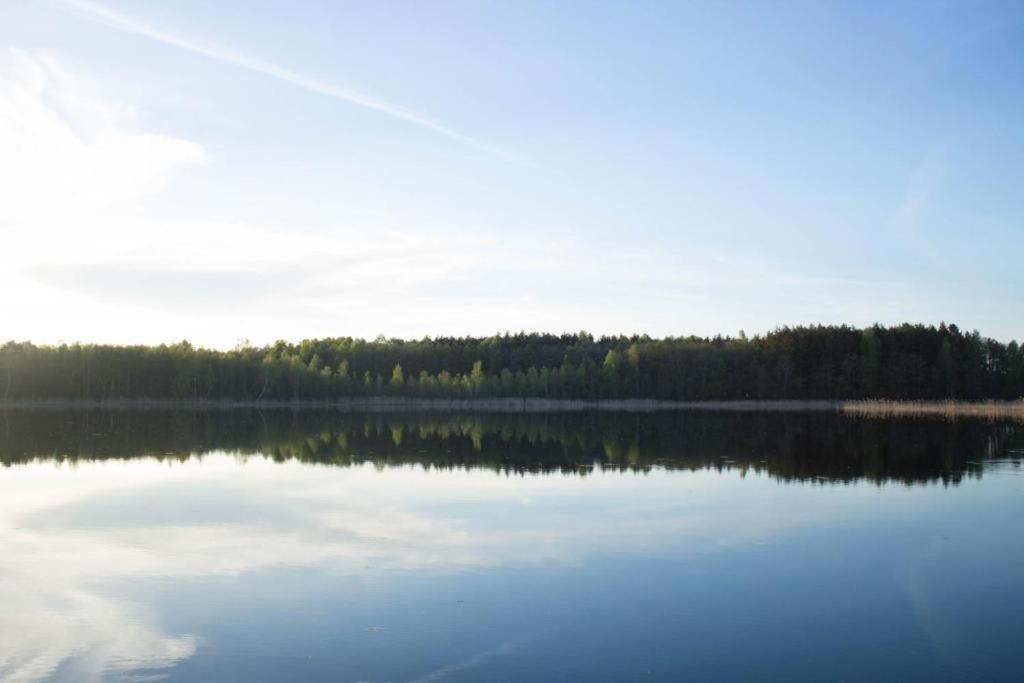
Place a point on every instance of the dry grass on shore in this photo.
(951, 410)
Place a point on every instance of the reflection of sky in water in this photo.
(223, 567)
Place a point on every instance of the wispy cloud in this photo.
(65, 149)
(121, 22)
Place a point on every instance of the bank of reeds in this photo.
(992, 410)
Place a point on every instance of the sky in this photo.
(284, 170)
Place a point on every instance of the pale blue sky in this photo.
(263, 170)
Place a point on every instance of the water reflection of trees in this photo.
(789, 446)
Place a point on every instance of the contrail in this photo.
(120, 22)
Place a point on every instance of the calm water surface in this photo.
(695, 546)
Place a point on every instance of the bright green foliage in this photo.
(839, 362)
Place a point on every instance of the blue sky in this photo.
(232, 170)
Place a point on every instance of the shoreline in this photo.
(861, 408)
(386, 403)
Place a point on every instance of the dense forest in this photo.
(819, 362)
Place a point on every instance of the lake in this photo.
(280, 545)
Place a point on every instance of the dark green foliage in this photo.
(837, 362)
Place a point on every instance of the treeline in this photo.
(800, 446)
(819, 362)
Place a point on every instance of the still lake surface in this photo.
(280, 545)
